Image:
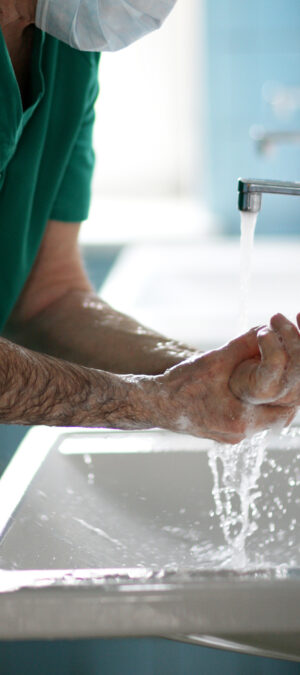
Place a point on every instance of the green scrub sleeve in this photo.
(73, 197)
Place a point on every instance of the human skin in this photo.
(274, 375)
(21, 11)
(67, 358)
(112, 371)
(192, 397)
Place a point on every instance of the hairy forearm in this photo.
(38, 389)
(82, 329)
(192, 397)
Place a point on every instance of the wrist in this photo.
(152, 401)
(141, 402)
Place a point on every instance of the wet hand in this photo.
(273, 376)
(195, 396)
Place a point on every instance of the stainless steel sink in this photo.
(108, 533)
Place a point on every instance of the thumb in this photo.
(243, 381)
(242, 348)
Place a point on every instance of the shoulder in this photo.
(71, 76)
(69, 58)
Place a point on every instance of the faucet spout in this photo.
(250, 191)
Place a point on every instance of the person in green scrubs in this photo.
(67, 358)
(64, 354)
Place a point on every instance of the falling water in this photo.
(248, 223)
(236, 469)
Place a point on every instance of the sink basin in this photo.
(110, 533)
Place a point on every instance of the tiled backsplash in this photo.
(248, 46)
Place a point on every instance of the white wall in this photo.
(148, 126)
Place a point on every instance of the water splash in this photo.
(236, 471)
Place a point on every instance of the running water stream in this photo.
(248, 224)
(236, 469)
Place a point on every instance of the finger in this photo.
(260, 381)
(298, 320)
(274, 356)
(257, 419)
(243, 384)
(275, 418)
(287, 331)
(242, 348)
(267, 383)
(267, 417)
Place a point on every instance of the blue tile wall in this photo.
(247, 45)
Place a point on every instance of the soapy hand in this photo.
(195, 396)
(274, 375)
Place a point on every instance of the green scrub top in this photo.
(46, 154)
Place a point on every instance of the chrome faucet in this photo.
(250, 191)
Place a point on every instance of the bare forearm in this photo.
(193, 397)
(38, 389)
(82, 329)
